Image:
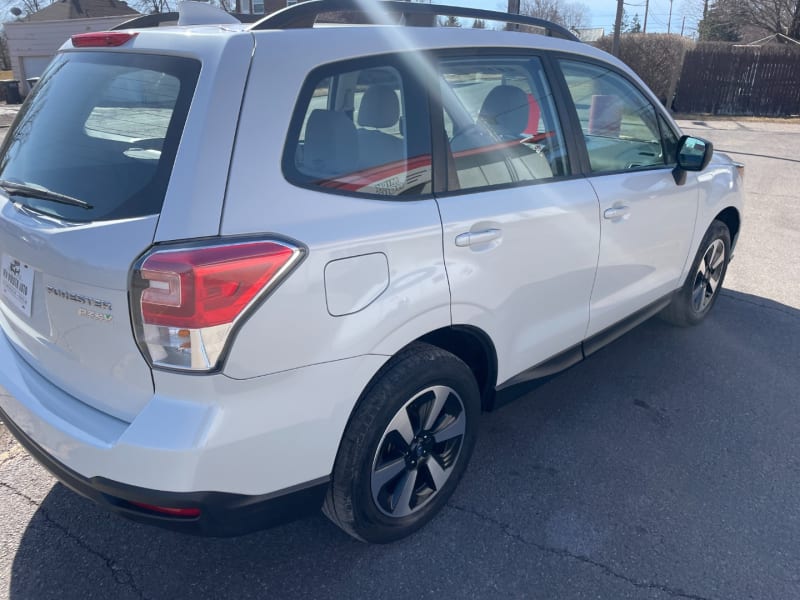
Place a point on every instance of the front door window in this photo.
(619, 124)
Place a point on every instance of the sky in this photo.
(603, 12)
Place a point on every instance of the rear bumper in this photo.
(221, 514)
(247, 453)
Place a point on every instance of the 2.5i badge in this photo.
(16, 285)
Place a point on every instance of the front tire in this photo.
(703, 284)
(406, 446)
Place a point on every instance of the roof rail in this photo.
(304, 14)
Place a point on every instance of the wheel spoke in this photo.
(452, 430)
(401, 499)
(698, 294)
(704, 262)
(718, 258)
(709, 257)
(438, 474)
(713, 281)
(383, 475)
(402, 425)
(440, 396)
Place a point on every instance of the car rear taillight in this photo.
(187, 300)
(102, 39)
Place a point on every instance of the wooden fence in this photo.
(724, 80)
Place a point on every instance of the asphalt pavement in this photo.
(665, 466)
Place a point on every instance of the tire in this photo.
(384, 487)
(702, 286)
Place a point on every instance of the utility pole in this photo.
(647, 8)
(669, 22)
(617, 27)
(683, 25)
(513, 8)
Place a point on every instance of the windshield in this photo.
(101, 128)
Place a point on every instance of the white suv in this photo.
(254, 270)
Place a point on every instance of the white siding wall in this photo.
(38, 41)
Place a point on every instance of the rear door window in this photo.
(500, 121)
(361, 128)
(102, 128)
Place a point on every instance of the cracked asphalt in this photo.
(665, 466)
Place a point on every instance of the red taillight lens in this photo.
(208, 286)
(187, 513)
(102, 39)
(186, 300)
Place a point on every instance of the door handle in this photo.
(616, 212)
(473, 238)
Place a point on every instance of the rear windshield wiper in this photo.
(41, 193)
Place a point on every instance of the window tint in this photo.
(108, 136)
(355, 135)
(619, 124)
(501, 122)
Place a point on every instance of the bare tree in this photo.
(152, 6)
(449, 21)
(774, 16)
(770, 16)
(23, 8)
(575, 15)
(568, 14)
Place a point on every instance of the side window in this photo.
(361, 131)
(500, 121)
(619, 124)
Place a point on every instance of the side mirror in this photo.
(693, 154)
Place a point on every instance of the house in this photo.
(261, 7)
(589, 34)
(33, 41)
(81, 9)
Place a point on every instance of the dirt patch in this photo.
(9, 448)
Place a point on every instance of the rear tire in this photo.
(703, 284)
(406, 446)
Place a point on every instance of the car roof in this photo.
(344, 40)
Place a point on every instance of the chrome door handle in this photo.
(477, 237)
(616, 212)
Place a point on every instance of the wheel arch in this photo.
(476, 349)
(733, 221)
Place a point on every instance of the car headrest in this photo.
(379, 107)
(506, 110)
(331, 144)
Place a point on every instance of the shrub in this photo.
(655, 57)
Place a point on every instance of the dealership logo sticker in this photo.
(16, 284)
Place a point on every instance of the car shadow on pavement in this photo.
(666, 462)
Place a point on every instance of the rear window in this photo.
(102, 128)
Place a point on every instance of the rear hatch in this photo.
(84, 172)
